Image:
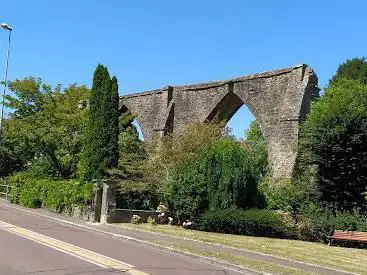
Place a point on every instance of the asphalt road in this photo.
(30, 244)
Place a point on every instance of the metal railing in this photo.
(5, 191)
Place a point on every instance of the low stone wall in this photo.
(125, 215)
(85, 213)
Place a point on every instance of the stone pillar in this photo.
(164, 124)
(97, 203)
(108, 200)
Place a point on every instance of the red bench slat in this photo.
(358, 236)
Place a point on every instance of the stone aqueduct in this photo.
(279, 100)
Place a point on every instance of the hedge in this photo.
(319, 224)
(55, 195)
(253, 222)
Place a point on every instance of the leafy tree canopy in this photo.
(45, 126)
(355, 69)
(256, 144)
(203, 167)
(220, 176)
(334, 141)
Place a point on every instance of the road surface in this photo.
(30, 244)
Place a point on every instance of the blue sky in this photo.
(150, 44)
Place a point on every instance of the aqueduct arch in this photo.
(123, 109)
(278, 99)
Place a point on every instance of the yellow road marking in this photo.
(76, 251)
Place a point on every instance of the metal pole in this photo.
(4, 89)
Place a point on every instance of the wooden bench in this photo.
(352, 236)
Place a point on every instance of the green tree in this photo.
(28, 96)
(99, 153)
(9, 162)
(256, 144)
(132, 152)
(355, 68)
(175, 151)
(220, 177)
(45, 128)
(333, 144)
(136, 189)
(114, 124)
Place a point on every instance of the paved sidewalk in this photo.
(152, 238)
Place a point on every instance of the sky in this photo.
(150, 44)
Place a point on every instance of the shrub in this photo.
(30, 195)
(316, 224)
(55, 195)
(151, 221)
(187, 195)
(253, 222)
(220, 177)
(289, 195)
(136, 195)
(136, 219)
(62, 195)
(16, 182)
(173, 152)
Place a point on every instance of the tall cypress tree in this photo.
(114, 124)
(96, 156)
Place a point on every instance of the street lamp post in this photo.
(9, 29)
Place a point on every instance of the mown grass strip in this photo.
(347, 259)
(261, 266)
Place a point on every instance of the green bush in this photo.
(220, 177)
(333, 142)
(187, 195)
(55, 195)
(62, 195)
(136, 195)
(30, 195)
(16, 182)
(151, 221)
(318, 223)
(289, 195)
(253, 222)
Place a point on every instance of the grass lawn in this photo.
(348, 259)
(266, 267)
